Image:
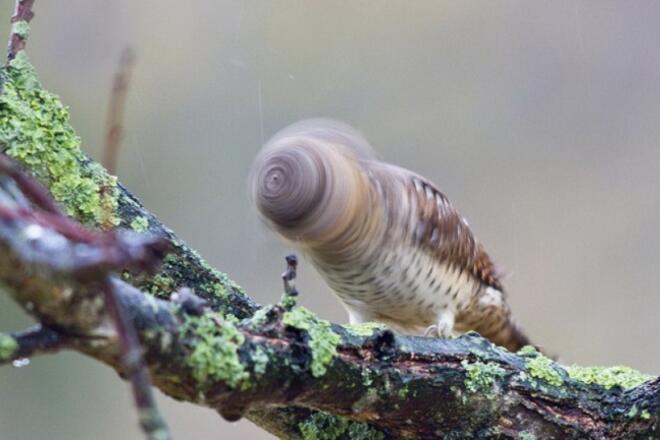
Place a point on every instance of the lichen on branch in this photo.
(35, 130)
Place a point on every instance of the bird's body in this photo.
(386, 240)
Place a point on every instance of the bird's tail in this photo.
(498, 327)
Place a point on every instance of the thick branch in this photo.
(280, 366)
(286, 357)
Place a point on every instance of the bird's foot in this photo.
(431, 331)
(443, 329)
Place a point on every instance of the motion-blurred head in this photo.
(303, 180)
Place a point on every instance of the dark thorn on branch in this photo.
(151, 421)
(116, 106)
(289, 276)
(18, 37)
(36, 340)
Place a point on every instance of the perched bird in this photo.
(386, 240)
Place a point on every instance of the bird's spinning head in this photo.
(306, 181)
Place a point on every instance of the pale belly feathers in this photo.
(407, 290)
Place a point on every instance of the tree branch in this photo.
(115, 113)
(30, 342)
(20, 27)
(280, 366)
(59, 246)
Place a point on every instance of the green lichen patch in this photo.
(8, 347)
(260, 360)
(644, 414)
(362, 431)
(222, 284)
(322, 340)
(364, 329)
(21, 28)
(482, 376)
(161, 285)
(608, 377)
(526, 436)
(215, 343)
(178, 271)
(633, 412)
(215, 288)
(324, 426)
(543, 368)
(528, 350)
(287, 302)
(260, 317)
(140, 224)
(35, 130)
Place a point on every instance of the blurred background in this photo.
(540, 121)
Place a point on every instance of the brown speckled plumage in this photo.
(386, 240)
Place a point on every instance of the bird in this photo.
(385, 239)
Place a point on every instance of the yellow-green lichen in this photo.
(362, 431)
(22, 29)
(634, 412)
(140, 224)
(223, 285)
(608, 377)
(481, 376)
(324, 426)
(216, 289)
(543, 368)
(161, 285)
(322, 340)
(287, 302)
(179, 270)
(215, 351)
(527, 350)
(8, 347)
(526, 436)
(260, 316)
(260, 360)
(364, 329)
(35, 130)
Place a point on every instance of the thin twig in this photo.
(30, 186)
(116, 106)
(18, 36)
(289, 279)
(151, 421)
(35, 340)
(289, 276)
(92, 257)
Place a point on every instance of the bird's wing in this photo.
(441, 230)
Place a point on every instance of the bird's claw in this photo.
(443, 329)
